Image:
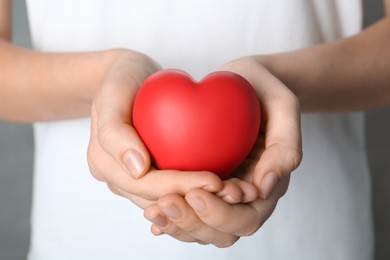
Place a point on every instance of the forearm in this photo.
(5, 19)
(346, 75)
(48, 86)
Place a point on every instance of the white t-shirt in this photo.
(326, 213)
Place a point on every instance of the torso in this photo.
(326, 212)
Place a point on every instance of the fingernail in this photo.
(229, 199)
(160, 221)
(172, 211)
(197, 204)
(268, 184)
(134, 162)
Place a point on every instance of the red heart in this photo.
(207, 126)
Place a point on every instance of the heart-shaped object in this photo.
(209, 125)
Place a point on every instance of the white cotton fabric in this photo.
(326, 213)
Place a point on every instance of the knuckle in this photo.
(295, 157)
(93, 169)
(94, 172)
(295, 102)
(144, 195)
(249, 230)
(98, 176)
(176, 233)
(256, 221)
(193, 229)
(228, 242)
(113, 189)
(221, 223)
(105, 134)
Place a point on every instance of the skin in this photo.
(352, 75)
(56, 86)
(192, 206)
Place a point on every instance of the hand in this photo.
(279, 147)
(117, 155)
(276, 154)
(207, 219)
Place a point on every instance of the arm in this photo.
(346, 75)
(49, 86)
(5, 20)
(350, 74)
(38, 86)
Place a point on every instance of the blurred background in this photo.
(17, 147)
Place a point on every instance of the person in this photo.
(326, 213)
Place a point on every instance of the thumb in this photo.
(283, 143)
(120, 140)
(112, 124)
(276, 162)
(112, 112)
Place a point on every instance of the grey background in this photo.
(17, 147)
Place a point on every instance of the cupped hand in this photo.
(207, 218)
(279, 147)
(117, 155)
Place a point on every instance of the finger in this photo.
(187, 231)
(250, 192)
(162, 225)
(140, 202)
(97, 156)
(159, 220)
(231, 192)
(283, 147)
(237, 191)
(280, 121)
(176, 209)
(158, 183)
(265, 207)
(132, 162)
(154, 184)
(276, 161)
(237, 219)
(115, 132)
(114, 110)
